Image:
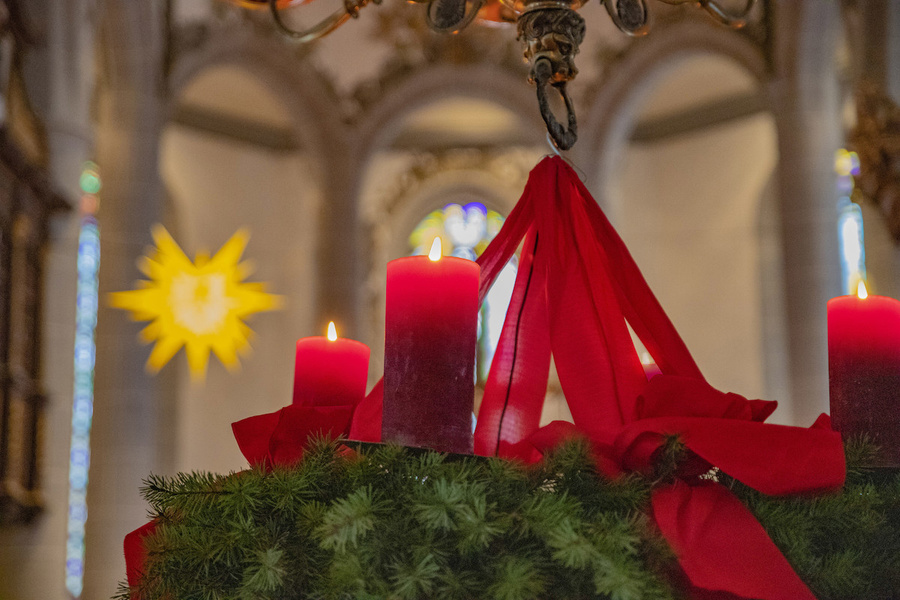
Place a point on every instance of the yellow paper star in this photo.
(199, 305)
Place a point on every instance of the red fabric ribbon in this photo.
(279, 438)
(366, 423)
(576, 287)
(136, 554)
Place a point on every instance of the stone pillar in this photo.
(806, 103)
(339, 258)
(876, 55)
(132, 430)
(893, 50)
(893, 74)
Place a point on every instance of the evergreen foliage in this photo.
(844, 545)
(394, 523)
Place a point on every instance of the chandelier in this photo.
(551, 32)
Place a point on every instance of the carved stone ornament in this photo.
(876, 139)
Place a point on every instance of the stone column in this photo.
(893, 50)
(877, 59)
(132, 430)
(806, 104)
(339, 259)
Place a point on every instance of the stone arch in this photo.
(309, 99)
(609, 116)
(434, 190)
(387, 238)
(798, 82)
(278, 66)
(484, 81)
(708, 224)
(402, 97)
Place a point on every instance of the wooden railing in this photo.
(27, 202)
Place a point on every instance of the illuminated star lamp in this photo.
(550, 30)
(199, 305)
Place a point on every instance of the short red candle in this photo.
(429, 352)
(330, 373)
(864, 370)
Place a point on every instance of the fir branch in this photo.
(184, 492)
(347, 520)
(518, 578)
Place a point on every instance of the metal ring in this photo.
(733, 20)
(459, 25)
(736, 20)
(562, 137)
(613, 12)
(325, 27)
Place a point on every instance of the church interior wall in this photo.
(269, 196)
(697, 241)
(712, 248)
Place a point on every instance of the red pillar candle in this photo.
(330, 371)
(429, 351)
(864, 369)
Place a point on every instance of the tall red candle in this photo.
(864, 369)
(330, 371)
(429, 352)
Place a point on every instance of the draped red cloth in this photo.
(279, 438)
(576, 288)
(136, 553)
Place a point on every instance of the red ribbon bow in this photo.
(279, 438)
(577, 286)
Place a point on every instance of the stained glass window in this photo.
(850, 222)
(465, 231)
(86, 305)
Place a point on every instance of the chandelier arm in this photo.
(737, 20)
(459, 25)
(562, 138)
(323, 28)
(635, 30)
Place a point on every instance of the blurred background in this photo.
(728, 160)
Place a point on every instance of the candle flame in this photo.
(435, 254)
(332, 332)
(861, 291)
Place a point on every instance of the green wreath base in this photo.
(388, 522)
